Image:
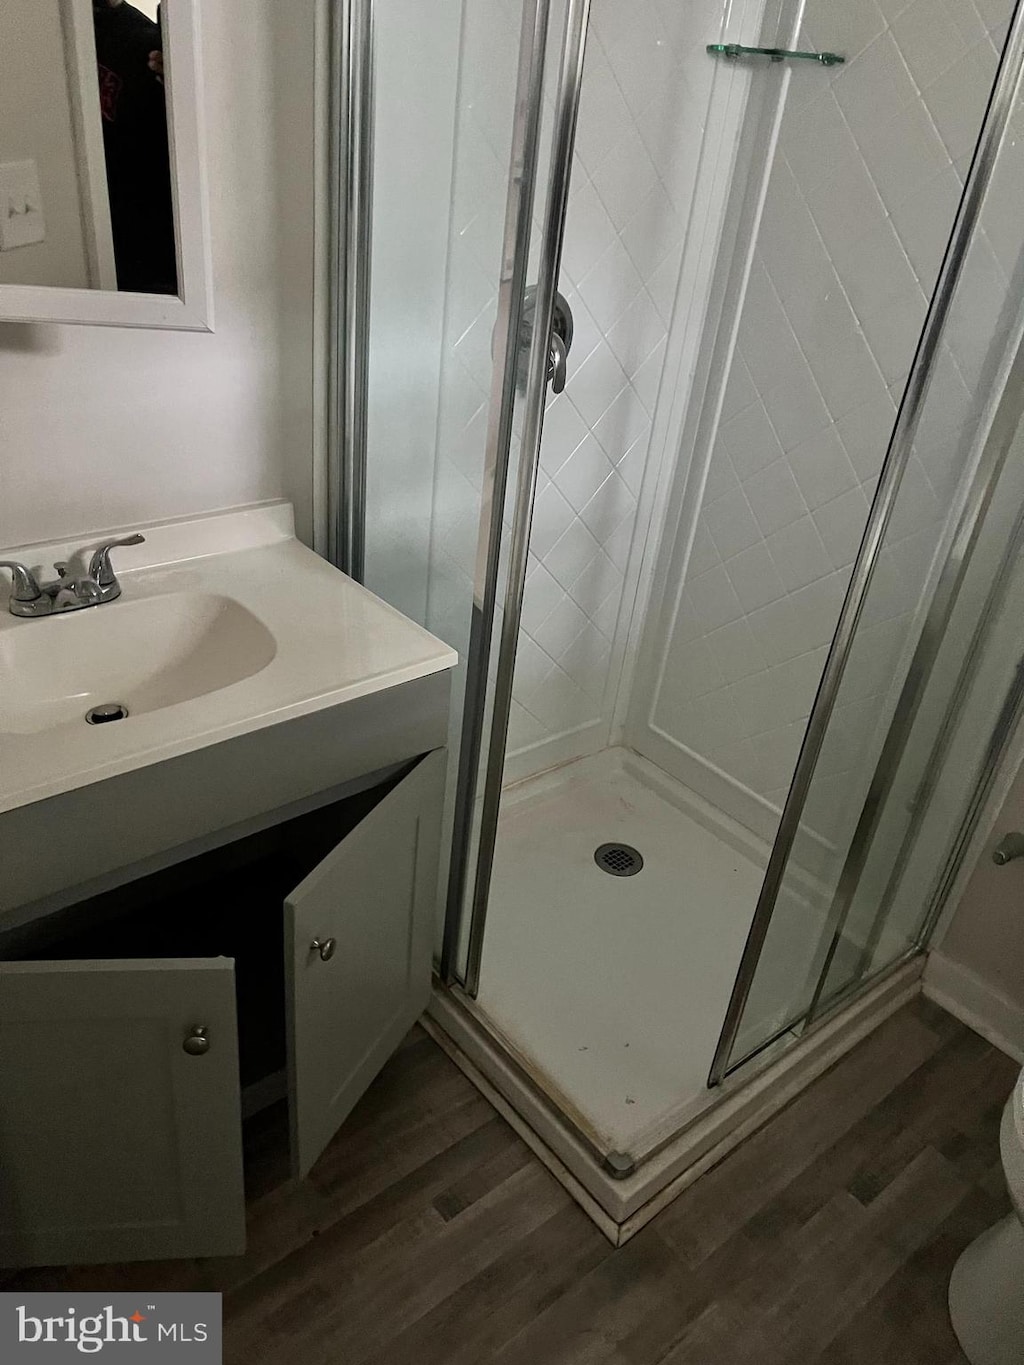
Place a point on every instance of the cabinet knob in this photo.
(325, 947)
(197, 1042)
(1009, 847)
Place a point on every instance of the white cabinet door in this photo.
(115, 1142)
(371, 906)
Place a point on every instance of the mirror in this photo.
(102, 211)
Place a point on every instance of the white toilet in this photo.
(986, 1289)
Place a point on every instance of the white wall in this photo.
(860, 194)
(36, 125)
(977, 969)
(111, 427)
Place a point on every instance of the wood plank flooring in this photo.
(429, 1235)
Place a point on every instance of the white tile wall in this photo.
(860, 198)
(645, 91)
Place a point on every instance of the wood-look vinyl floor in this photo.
(429, 1235)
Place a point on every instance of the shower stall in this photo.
(677, 387)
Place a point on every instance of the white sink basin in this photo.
(145, 654)
(226, 624)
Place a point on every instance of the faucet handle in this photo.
(100, 569)
(24, 587)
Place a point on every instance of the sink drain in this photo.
(103, 715)
(619, 860)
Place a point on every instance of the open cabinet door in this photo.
(118, 1142)
(359, 939)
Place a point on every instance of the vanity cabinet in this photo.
(116, 1143)
(130, 1023)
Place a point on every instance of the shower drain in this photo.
(619, 860)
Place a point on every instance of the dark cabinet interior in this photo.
(223, 903)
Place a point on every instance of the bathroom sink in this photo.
(142, 654)
(226, 625)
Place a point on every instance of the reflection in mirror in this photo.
(85, 181)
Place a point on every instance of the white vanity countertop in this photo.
(318, 639)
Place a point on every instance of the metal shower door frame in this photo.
(522, 183)
(350, 194)
(994, 124)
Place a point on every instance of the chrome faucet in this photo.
(66, 592)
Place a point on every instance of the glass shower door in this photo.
(532, 351)
(816, 935)
(460, 125)
(447, 121)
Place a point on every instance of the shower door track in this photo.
(767, 1054)
(629, 1195)
(559, 1111)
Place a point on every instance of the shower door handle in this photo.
(559, 346)
(561, 342)
(557, 365)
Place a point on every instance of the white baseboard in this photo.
(976, 1003)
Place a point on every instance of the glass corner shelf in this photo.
(775, 54)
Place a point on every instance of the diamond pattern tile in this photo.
(639, 133)
(858, 203)
(861, 192)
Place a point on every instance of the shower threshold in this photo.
(621, 1200)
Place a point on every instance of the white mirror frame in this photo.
(192, 308)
